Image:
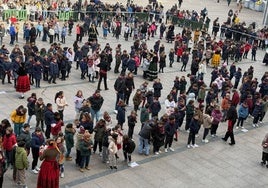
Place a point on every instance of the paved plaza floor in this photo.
(215, 164)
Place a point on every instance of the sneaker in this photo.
(205, 141)
(213, 135)
(37, 168)
(171, 149)
(188, 131)
(156, 153)
(100, 154)
(62, 175)
(196, 146)
(242, 127)
(166, 150)
(257, 125)
(260, 122)
(159, 151)
(189, 146)
(237, 127)
(35, 171)
(254, 125)
(197, 135)
(263, 163)
(192, 146)
(129, 164)
(87, 168)
(81, 170)
(115, 111)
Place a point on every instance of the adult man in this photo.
(120, 88)
(96, 101)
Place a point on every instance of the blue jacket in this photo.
(121, 115)
(38, 70)
(53, 69)
(257, 110)
(49, 117)
(37, 141)
(194, 126)
(242, 111)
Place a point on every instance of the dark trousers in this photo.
(191, 138)
(130, 131)
(262, 115)
(127, 96)
(230, 133)
(214, 128)
(37, 82)
(48, 130)
(35, 154)
(104, 77)
(240, 120)
(78, 157)
(256, 118)
(96, 143)
(42, 124)
(51, 39)
(127, 156)
(206, 131)
(168, 141)
(84, 161)
(264, 157)
(188, 121)
(4, 76)
(52, 78)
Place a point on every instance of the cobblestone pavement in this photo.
(210, 165)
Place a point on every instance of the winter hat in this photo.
(81, 130)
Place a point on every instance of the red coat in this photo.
(55, 130)
(247, 47)
(9, 142)
(235, 99)
(179, 51)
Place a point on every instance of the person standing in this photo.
(242, 114)
(119, 87)
(170, 130)
(18, 117)
(132, 120)
(113, 151)
(96, 101)
(104, 67)
(53, 70)
(2, 167)
(39, 113)
(99, 130)
(9, 141)
(49, 119)
(69, 140)
(2, 33)
(128, 147)
(193, 126)
(23, 82)
(12, 33)
(26, 137)
(61, 102)
(231, 117)
(85, 150)
(37, 141)
(265, 151)
(30, 105)
(78, 102)
(32, 33)
(49, 172)
(21, 163)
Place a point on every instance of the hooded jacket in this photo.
(21, 161)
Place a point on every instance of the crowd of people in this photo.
(233, 96)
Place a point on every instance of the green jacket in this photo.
(69, 138)
(84, 147)
(144, 115)
(21, 161)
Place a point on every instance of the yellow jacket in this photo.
(16, 118)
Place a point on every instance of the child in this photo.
(128, 147)
(132, 120)
(85, 148)
(91, 69)
(79, 138)
(121, 113)
(265, 151)
(242, 114)
(21, 163)
(30, 105)
(145, 113)
(113, 150)
(171, 57)
(9, 141)
(78, 56)
(56, 128)
(69, 139)
(99, 132)
(59, 141)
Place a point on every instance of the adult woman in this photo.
(49, 173)
(78, 102)
(61, 102)
(152, 69)
(86, 122)
(170, 104)
(23, 83)
(231, 117)
(18, 117)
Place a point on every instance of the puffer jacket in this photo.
(15, 118)
(207, 121)
(243, 111)
(21, 161)
(112, 146)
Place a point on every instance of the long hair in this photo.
(57, 95)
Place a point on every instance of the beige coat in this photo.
(112, 146)
(207, 120)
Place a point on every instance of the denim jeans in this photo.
(144, 142)
(17, 128)
(95, 113)
(84, 161)
(68, 152)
